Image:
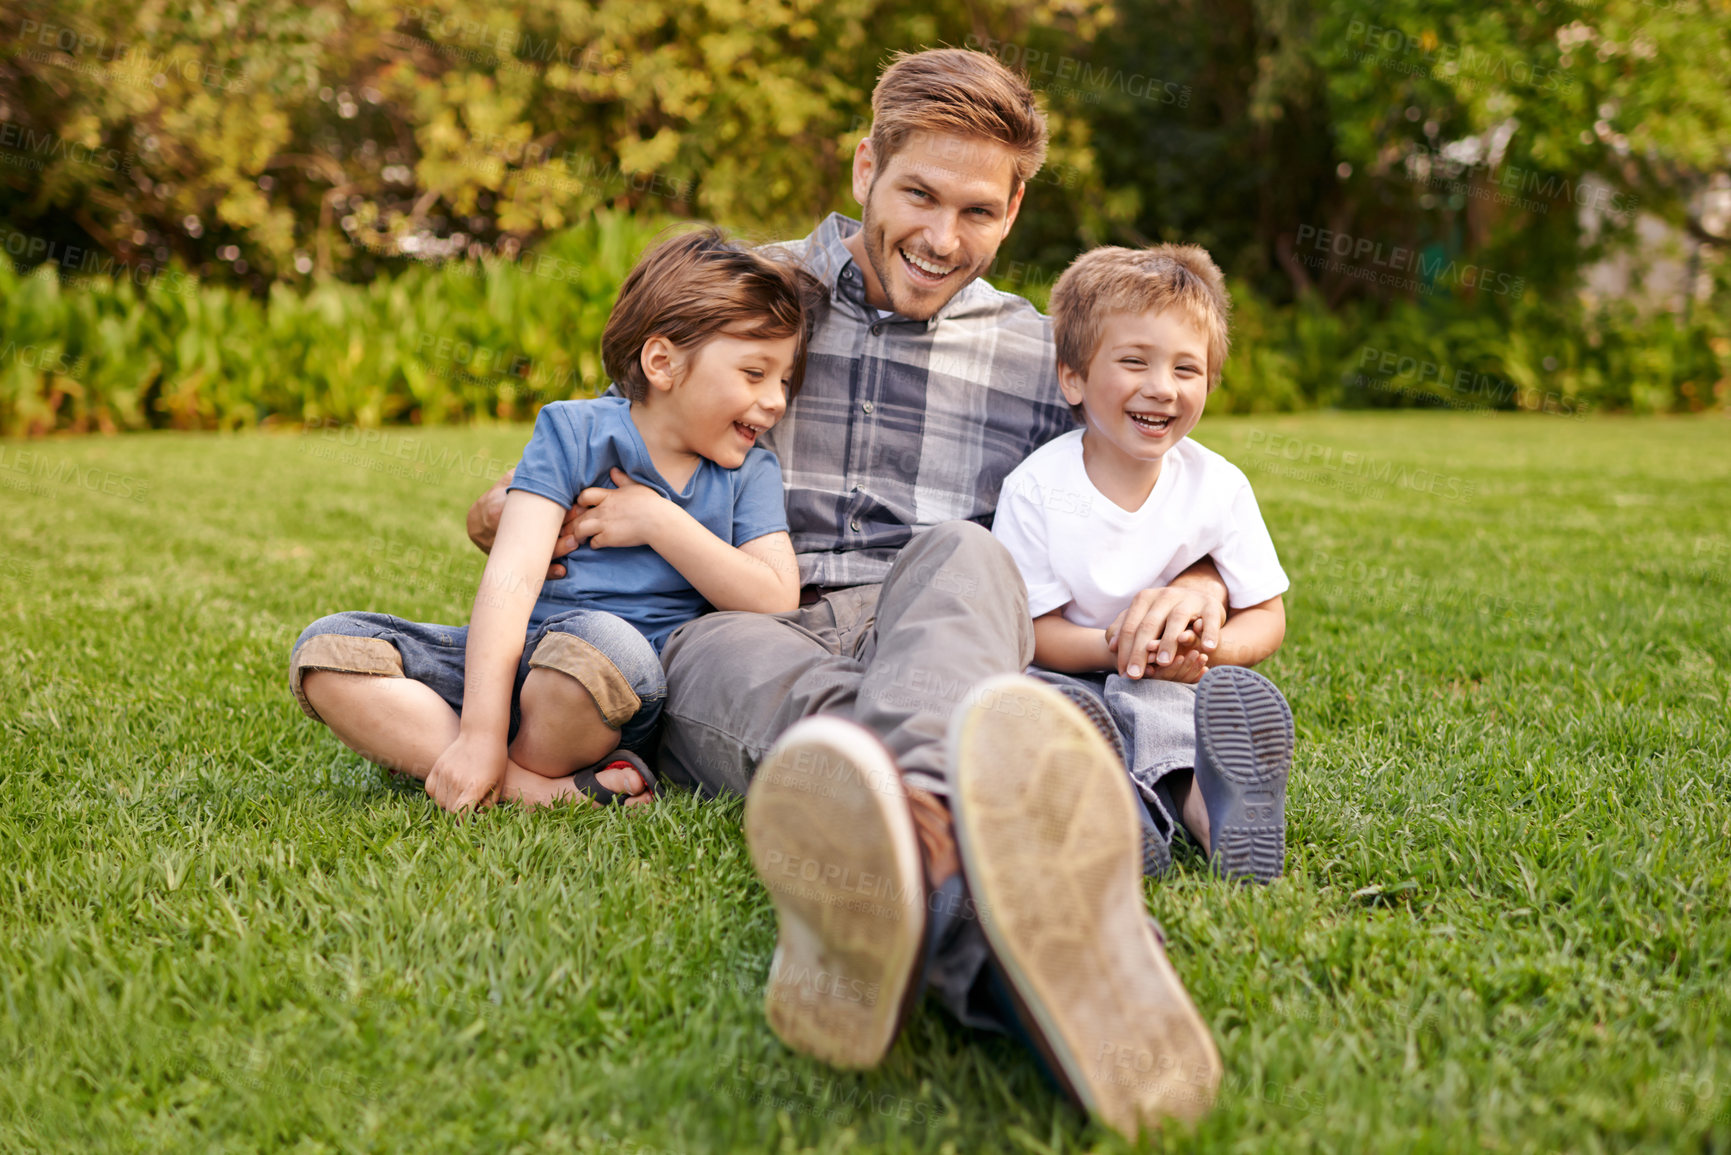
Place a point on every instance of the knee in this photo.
(966, 548)
(562, 725)
(317, 692)
(612, 677)
(550, 694)
(957, 539)
(964, 560)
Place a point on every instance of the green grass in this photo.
(1505, 924)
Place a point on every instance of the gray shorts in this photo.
(604, 652)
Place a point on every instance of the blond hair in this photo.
(957, 92)
(1112, 279)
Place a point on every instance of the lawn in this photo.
(1505, 923)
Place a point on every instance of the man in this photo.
(853, 723)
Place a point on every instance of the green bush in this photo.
(1454, 353)
(496, 339)
(463, 341)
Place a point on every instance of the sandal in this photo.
(586, 782)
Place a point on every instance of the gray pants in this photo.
(897, 658)
(1157, 723)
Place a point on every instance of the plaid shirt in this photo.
(901, 424)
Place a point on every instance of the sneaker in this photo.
(1244, 745)
(1051, 846)
(831, 836)
(1156, 841)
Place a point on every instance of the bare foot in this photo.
(1195, 815)
(622, 778)
(528, 788)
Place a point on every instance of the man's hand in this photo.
(626, 516)
(1161, 622)
(483, 523)
(468, 774)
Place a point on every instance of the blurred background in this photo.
(260, 212)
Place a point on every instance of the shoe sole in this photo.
(1244, 735)
(1052, 850)
(1156, 851)
(831, 837)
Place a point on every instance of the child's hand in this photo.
(467, 775)
(1188, 666)
(628, 515)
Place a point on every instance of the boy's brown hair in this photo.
(1112, 279)
(962, 93)
(697, 285)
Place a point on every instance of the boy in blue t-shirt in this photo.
(683, 510)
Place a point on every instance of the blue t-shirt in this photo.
(574, 446)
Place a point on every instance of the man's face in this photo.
(933, 218)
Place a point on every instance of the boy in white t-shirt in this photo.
(1100, 519)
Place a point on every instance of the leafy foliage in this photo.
(489, 339)
(270, 140)
(1417, 176)
(492, 339)
(1539, 357)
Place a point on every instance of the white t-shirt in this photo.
(1080, 552)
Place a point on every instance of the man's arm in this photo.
(483, 522)
(1251, 634)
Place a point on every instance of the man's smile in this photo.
(923, 270)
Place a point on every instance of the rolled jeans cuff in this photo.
(580, 659)
(343, 654)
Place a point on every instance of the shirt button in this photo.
(877, 330)
(854, 525)
(866, 406)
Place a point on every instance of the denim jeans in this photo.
(1156, 721)
(605, 653)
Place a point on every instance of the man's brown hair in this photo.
(1112, 279)
(957, 92)
(695, 286)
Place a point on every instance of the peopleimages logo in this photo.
(82, 260)
(1363, 253)
(1347, 469)
(1036, 64)
(1453, 384)
(44, 146)
(1402, 52)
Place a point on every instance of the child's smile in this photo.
(721, 400)
(1144, 392)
